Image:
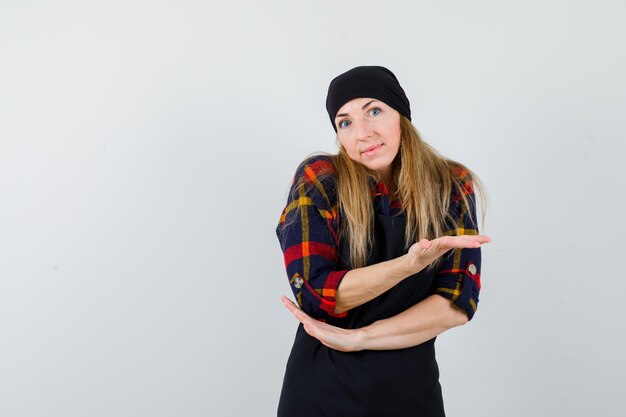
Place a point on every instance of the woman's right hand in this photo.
(425, 252)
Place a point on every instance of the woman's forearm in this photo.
(361, 285)
(418, 324)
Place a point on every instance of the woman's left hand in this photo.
(344, 340)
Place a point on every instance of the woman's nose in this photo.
(362, 130)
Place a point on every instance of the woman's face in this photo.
(369, 130)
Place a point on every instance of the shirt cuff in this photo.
(324, 298)
(461, 287)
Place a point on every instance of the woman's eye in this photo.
(344, 123)
(375, 111)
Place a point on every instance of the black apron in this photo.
(320, 381)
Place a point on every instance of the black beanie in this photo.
(366, 81)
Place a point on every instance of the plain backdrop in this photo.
(146, 151)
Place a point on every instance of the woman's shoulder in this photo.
(317, 168)
(459, 171)
(316, 177)
(462, 176)
(318, 165)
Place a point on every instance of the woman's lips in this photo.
(372, 149)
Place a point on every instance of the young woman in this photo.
(382, 252)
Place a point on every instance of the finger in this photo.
(291, 306)
(285, 299)
(474, 240)
(443, 244)
(300, 315)
(463, 241)
(288, 303)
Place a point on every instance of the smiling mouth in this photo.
(372, 148)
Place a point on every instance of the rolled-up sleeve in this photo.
(458, 276)
(308, 236)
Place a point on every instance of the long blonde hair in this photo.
(425, 181)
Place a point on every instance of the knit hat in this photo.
(366, 81)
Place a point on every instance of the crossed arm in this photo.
(419, 323)
(308, 232)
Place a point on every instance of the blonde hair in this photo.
(425, 182)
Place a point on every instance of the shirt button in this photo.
(472, 269)
(298, 282)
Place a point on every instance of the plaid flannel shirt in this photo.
(310, 242)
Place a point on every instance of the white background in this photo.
(146, 151)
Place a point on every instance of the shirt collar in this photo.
(380, 193)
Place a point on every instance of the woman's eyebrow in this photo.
(364, 106)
